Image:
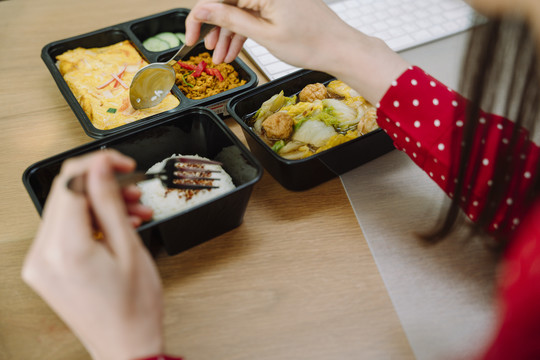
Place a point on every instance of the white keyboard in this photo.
(402, 24)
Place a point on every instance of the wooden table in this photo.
(295, 281)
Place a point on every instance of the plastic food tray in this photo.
(195, 131)
(304, 173)
(136, 31)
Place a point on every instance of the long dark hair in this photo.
(500, 75)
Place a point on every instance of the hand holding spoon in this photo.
(153, 82)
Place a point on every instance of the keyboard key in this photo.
(449, 5)
(259, 50)
(396, 32)
(268, 59)
(279, 67)
(422, 35)
(400, 43)
(379, 26)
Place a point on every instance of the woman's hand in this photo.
(108, 291)
(292, 30)
(304, 33)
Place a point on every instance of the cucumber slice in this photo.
(181, 37)
(169, 38)
(155, 44)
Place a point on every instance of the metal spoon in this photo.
(153, 82)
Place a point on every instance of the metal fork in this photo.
(178, 173)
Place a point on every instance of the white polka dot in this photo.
(463, 198)
(414, 82)
(522, 156)
(435, 160)
(495, 226)
(407, 139)
(417, 124)
(485, 162)
(394, 83)
(432, 83)
(527, 175)
(396, 103)
(499, 126)
(443, 177)
(437, 123)
(454, 103)
(398, 124)
(451, 195)
(505, 141)
(482, 120)
(431, 174)
(418, 144)
(416, 102)
(395, 135)
(414, 154)
(515, 221)
(471, 216)
(435, 102)
(378, 105)
(387, 120)
(411, 68)
(509, 201)
(475, 203)
(459, 123)
(455, 180)
(490, 182)
(440, 147)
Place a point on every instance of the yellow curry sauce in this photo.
(100, 78)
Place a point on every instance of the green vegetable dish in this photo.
(316, 119)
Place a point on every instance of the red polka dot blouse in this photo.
(426, 119)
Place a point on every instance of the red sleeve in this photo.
(425, 119)
(517, 335)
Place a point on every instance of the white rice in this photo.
(166, 202)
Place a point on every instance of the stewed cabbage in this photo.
(297, 129)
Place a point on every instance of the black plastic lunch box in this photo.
(309, 172)
(136, 31)
(195, 131)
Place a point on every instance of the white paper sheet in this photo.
(443, 294)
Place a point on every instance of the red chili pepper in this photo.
(219, 76)
(198, 71)
(187, 66)
(214, 72)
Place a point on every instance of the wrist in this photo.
(366, 64)
(161, 357)
(142, 346)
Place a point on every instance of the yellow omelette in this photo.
(100, 78)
